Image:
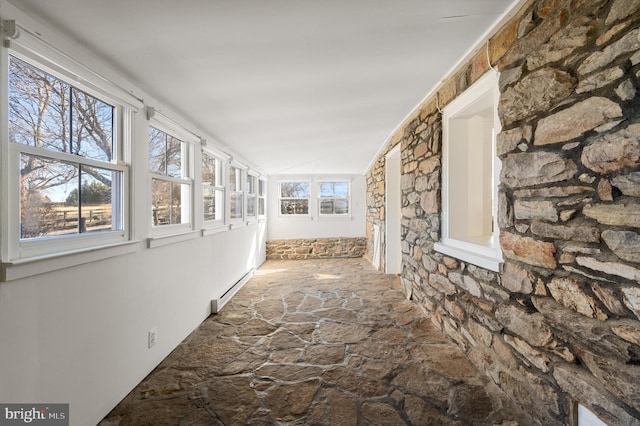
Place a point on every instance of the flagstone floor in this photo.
(321, 342)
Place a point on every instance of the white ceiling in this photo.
(293, 86)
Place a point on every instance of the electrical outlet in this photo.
(153, 337)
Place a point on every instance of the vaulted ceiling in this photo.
(294, 86)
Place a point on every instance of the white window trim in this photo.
(41, 55)
(263, 196)
(251, 218)
(311, 208)
(170, 233)
(236, 222)
(334, 217)
(213, 226)
(488, 257)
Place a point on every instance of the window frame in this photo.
(218, 186)
(189, 140)
(309, 199)
(262, 198)
(42, 57)
(237, 192)
(334, 216)
(251, 193)
(488, 256)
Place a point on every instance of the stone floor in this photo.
(322, 342)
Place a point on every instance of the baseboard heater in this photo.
(217, 304)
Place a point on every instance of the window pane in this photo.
(165, 154)
(167, 202)
(174, 157)
(294, 206)
(261, 206)
(334, 189)
(212, 203)
(47, 204)
(294, 189)
(251, 206)
(92, 127)
(326, 207)
(95, 198)
(38, 108)
(251, 184)
(157, 148)
(341, 206)
(48, 113)
(261, 187)
(236, 206)
(235, 179)
(209, 166)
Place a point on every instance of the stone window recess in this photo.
(470, 176)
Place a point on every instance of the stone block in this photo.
(625, 213)
(628, 184)
(612, 152)
(528, 326)
(577, 232)
(630, 42)
(585, 332)
(535, 209)
(536, 168)
(610, 299)
(632, 299)
(568, 292)
(517, 279)
(535, 357)
(624, 244)
(611, 268)
(528, 250)
(576, 120)
(536, 93)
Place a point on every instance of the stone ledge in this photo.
(316, 248)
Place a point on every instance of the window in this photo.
(67, 170)
(262, 194)
(170, 179)
(294, 198)
(334, 198)
(251, 196)
(470, 176)
(212, 188)
(236, 198)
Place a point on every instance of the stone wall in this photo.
(316, 248)
(561, 324)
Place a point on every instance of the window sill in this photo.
(295, 217)
(165, 240)
(482, 256)
(215, 230)
(335, 218)
(27, 267)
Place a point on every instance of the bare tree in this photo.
(47, 113)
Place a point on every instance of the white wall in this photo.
(78, 334)
(282, 227)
